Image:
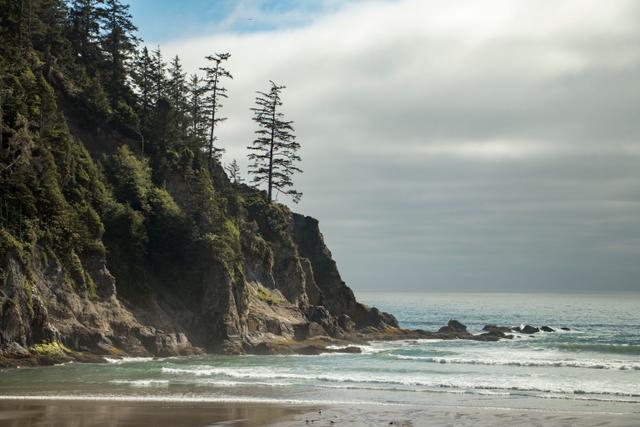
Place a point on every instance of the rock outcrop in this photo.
(282, 299)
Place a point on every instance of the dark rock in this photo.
(453, 326)
(345, 322)
(349, 349)
(564, 328)
(335, 295)
(547, 329)
(496, 333)
(528, 329)
(494, 328)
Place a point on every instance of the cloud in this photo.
(457, 145)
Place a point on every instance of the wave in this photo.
(588, 364)
(142, 383)
(122, 360)
(206, 382)
(191, 399)
(632, 349)
(405, 382)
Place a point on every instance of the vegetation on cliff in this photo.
(119, 228)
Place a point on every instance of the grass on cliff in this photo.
(265, 295)
(51, 349)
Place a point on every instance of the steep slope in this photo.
(123, 266)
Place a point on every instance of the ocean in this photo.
(593, 366)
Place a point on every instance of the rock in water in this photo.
(453, 326)
(528, 329)
(547, 329)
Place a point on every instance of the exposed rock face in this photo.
(290, 292)
(332, 292)
(39, 304)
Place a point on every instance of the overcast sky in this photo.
(447, 145)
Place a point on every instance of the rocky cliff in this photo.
(266, 282)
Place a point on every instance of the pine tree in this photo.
(84, 32)
(177, 92)
(195, 108)
(142, 79)
(214, 94)
(233, 171)
(274, 151)
(176, 85)
(118, 41)
(158, 74)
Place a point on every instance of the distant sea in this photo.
(594, 365)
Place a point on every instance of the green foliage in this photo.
(155, 205)
(267, 296)
(129, 177)
(50, 349)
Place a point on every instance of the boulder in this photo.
(547, 329)
(494, 328)
(528, 329)
(453, 326)
(496, 333)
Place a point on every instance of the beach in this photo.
(53, 413)
(64, 413)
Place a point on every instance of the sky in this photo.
(472, 145)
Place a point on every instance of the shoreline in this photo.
(132, 411)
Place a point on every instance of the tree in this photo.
(84, 32)
(274, 151)
(177, 85)
(141, 76)
(214, 93)
(233, 170)
(195, 108)
(119, 43)
(158, 74)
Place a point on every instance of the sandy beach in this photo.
(454, 416)
(80, 413)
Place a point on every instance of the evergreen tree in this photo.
(84, 32)
(214, 94)
(177, 85)
(274, 151)
(118, 42)
(48, 22)
(233, 171)
(158, 74)
(195, 107)
(142, 79)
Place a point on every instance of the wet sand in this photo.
(59, 413)
(410, 416)
(54, 413)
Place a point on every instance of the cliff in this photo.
(123, 266)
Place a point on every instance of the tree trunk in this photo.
(273, 129)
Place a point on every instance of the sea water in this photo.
(596, 362)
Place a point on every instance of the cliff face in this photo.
(266, 279)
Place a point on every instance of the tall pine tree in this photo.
(274, 151)
(84, 30)
(119, 43)
(215, 92)
(197, 119)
